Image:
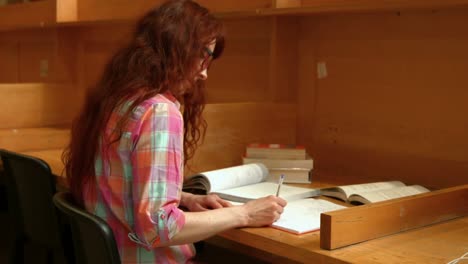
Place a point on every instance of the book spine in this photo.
(281, 163)
(292, 175)
(274, 146)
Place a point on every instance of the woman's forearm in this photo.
(202, 225)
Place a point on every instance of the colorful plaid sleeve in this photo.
(157, 168)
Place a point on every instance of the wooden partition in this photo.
(392, 104)
(362, 223)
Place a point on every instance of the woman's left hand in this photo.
(196, 203)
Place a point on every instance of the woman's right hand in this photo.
(264, 211)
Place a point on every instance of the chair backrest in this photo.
(30, 188)
(93, 239)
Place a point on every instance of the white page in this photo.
(398, 192)
(304, 215)
(259, 190)
(236, 176)
(370, 187)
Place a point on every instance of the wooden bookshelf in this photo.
(90, 10)
(320, 6)
(310, 7)
(47, 13)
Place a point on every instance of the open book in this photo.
(302, 216)
(243, 183)
(373, 192)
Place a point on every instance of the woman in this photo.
(130, 143)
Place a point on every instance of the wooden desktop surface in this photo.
(439, 243)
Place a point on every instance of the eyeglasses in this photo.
(207, 59)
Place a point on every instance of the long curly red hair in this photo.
(163, 55)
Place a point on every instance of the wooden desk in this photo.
(438, 243)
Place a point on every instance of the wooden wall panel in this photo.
(26, 51)
(283, 70)
(36, 104)
(32, 96)
(29, 139)
(394, 102)
(96, 46)
(307, 85)
(9, 64)
(33, 56)
(232, 126)
(242, 73)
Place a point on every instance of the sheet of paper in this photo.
(303, 216)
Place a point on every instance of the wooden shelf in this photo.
(361, 5)
(298, 7)
(56, 12)
(68, 12)
(91, 10)
(28, 15)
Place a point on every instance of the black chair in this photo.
(38, 234)
(93, 239)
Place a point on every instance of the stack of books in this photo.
(290, 160)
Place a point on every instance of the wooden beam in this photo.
(353, 225)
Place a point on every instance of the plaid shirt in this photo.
(139, 183)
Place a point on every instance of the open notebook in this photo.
(302, 216)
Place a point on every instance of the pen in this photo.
(280, 182)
